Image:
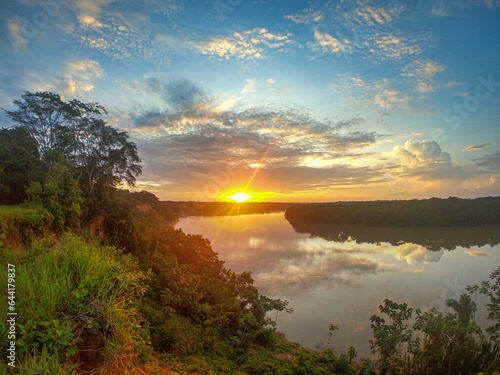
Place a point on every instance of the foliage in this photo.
(19, 164)
(44, 363)
(59, 194)
(54, 337)
(77, 298)
(191, 289)
(426, 212)
(491, 288)
(332, 328)
(452, 343)
(26, 222)
(41, 114)
(392, 340)
(100, 155)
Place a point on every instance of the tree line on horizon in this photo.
(452, 211)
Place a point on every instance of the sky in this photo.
(302, 101)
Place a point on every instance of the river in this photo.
(340, 274)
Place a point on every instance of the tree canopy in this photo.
(100, 155)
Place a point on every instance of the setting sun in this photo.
(240, 197)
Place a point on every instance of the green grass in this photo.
(8, 213)
(70, 292)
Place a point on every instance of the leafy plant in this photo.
(54, 337)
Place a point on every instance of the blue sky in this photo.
(290, 101)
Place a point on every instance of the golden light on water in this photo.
(240, 197)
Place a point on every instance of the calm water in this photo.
(339, 275)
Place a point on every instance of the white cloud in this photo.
(374, 15)
(307, 16)
(250, 86)
(380, 93)
(327, 43)
(271, 81)
(91, 8)
(423, 72)
(362, 28)
(414, 254)
(387, 98)
(80, 76)
(250, 44)
(15, 34)
(416, 154)
(117, 38)
(390, 47)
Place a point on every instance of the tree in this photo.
(492, 290)
(42, 114)
(19, 164)
(100, 155)
(59, 194)
(390, 340)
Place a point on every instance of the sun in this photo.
(240, 197)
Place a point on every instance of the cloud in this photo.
(271, 81)
(364, 29)
(80, 76)
(414, 254)
(387, 46)
(423, 72)
(180, 94)
(440, 9)
(316, 270)
(478, 253)
(425, 167)
(188, 127)
(490, 162)
(15, 34)
(116, 37)
(374, 15)
(387, 98)
(250, 44)
(250, 86)
(452, 8)
(326, 43)
(71, 78)
(426, 164)
(307, 16)
(476, 148)
(91, 8)
(380, 93)
(418, 154)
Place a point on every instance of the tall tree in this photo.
(103, 156)
(100, 155)
(41, 113)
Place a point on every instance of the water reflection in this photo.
(340, 275)
(432, 238)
